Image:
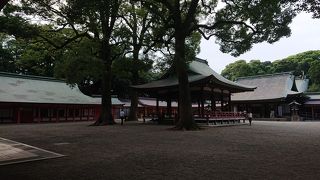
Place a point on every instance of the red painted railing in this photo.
(224, 115)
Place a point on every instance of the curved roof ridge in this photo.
(33, 77)
(265, 75)
(204, 69)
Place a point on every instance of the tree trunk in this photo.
(134, 106)
(186, 120)
(133, 93)
(106, 105)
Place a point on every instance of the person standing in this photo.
(245, 116)
(122, 116)
(250, 117)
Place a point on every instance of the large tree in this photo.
(237, 24)
(96, 20)
(138, 32)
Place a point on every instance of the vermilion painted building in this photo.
(28, 99)
(206, 87)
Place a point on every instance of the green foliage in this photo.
(237, 69)
(314, 72)
(241, 68)
(307, 63)
(123, 70)
(257, 67)
(242, 23)
(310, 6)
(314, 87)
(79, 64)
(6, 61)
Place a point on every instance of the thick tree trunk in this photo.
(133, 93)
(106, 105)
(134, 106)
(186, 120)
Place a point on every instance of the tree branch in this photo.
(220, 23)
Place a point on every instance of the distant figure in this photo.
(250, 117)
(122, 116)
(272, 114)
(245, 116)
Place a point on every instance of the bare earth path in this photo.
(266, 150)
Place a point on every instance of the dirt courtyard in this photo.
(265, 150)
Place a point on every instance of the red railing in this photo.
(224, 115)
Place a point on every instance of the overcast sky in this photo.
(305, 35)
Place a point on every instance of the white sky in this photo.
(305, 35)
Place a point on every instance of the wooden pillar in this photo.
(246, 107)
(229, 102)
(66, 113)
(199, 111)
(18, 116)
(312, 111)
(50, 113)
(213, 101)
(221, 99)
(57, 114)
(202, 103)
(73, 112)
(169, 109)
(157, 108)
(88, 115)
(39, 115)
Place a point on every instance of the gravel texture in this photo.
(265, 150)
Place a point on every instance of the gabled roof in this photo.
(198, 70)
(302, 84)
(269, 87)
(314, 98)
(36, 89)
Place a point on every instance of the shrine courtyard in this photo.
(265, 150)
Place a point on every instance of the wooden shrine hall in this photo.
(209, 90)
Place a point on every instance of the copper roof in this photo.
(37, 89)
(269, 87)
(198, 70)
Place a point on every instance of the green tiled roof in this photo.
(37, 89)
(269, 87)
(198, 70)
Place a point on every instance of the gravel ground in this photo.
(265, 150)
